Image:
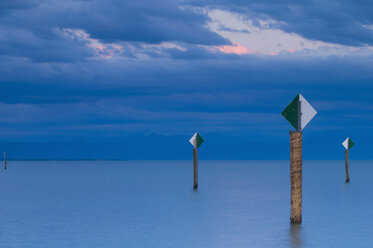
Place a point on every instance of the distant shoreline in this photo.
(96, 160)
(67, 160)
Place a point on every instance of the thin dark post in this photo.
(195, 168)
(347, 169)
(4, 161)
(296, 177)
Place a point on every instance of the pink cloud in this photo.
(236, 48)
(103, 50)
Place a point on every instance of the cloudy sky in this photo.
(117, 79)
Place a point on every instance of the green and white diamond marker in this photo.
(299, 112)
(348, 143)
(196, 140)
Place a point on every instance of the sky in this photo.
(110, 79)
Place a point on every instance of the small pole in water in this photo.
(299, 113)
(347, 144)
(195, 168)
(346, 165)
(196, 141)
(4, 161)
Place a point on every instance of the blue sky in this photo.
(135, 79)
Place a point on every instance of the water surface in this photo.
(145, 204)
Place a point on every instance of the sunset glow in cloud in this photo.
(100, 49)
(262, 36)
(236, 48)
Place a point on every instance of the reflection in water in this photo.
(296, 235)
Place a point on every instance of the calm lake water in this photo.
(151, 204)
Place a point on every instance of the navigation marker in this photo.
(196, 141)
(299, 112)
(347, 144)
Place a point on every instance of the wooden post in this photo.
(296, 176)
(4, 161)
(195, 168)
(347, 169)
(299, 113)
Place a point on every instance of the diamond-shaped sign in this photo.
(299, 112)
(348, 143)
(196, 140)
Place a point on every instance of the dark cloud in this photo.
(246, 84)
(35, 29)
(145, 21)
(19, 42)
(7, 6)
(113, 21)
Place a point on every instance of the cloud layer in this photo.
(103, 71)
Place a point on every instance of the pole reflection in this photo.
(296, 235)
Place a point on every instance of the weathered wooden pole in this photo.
(347, 144)
(4, 161)
(296, 176)
(299, 113)
(195, 168)
(347, 169)
(196, 141)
